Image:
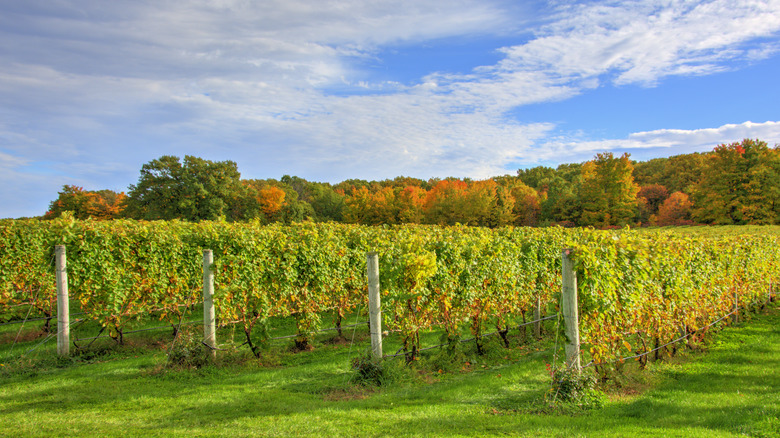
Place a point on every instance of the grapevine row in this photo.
(635, 289)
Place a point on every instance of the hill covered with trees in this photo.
(737, 183)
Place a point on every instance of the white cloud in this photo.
(95, 89)
(677, 140)
(644, 41)
(9, 162)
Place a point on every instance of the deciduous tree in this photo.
(675, 210)
(608, 193)
(741, 185)
(527, 205)
(650, 199)
(101, 204)
(195, 190)
(444, 203)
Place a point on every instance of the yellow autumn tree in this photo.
(608, 192)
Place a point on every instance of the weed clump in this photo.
(188, 351)
(572, 391)
(372, 372)
(368, 371)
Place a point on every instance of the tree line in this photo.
(737, 183)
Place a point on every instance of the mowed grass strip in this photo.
(732, 389)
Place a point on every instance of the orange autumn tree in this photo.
(106, 204)
(83, 204)
(384, 206)
(676, 210)
(271, 201)
(444, 203)
(649, 199)
(411, 203)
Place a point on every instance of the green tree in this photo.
(741, 185)
(536, 177)
(650, 198)
(679, 173)
(194, 190)
(559, 201)
(328, 205)
(608, 193)
(557, 192)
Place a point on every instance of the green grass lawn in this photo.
(731, 389)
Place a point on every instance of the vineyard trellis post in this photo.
(63, 313)
(374, 305)
(570, 312)
(209, 319)
(736, 308)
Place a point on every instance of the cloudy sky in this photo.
(328, 90)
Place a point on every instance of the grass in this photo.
(731, 389)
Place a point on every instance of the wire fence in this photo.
(51, 336)
(44, 318)
(398, 353)
(680, 339)
(277, 338)
(176, 327)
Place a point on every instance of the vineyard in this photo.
(636, 290)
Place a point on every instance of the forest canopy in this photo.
(737, 183)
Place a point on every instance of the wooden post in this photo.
(209, 320)
(537, 317)
(570, 312)
(63, 311)
(735, 318)
(374, 305)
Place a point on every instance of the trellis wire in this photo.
(397, 354)
(178, 327)
(50, 336)
(126, 333)
(20, 328)
(22, 321)
(318, 331)
(687, 335)
(176, 336)
(756, 301)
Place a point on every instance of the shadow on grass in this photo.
(698, 398)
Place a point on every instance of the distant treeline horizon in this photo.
(736, 183)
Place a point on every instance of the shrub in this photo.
(187, 350)
(578, 389)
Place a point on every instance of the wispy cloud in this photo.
(86, 82)
(675, 141)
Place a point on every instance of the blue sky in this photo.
(330, 90)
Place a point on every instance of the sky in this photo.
(330, 90)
